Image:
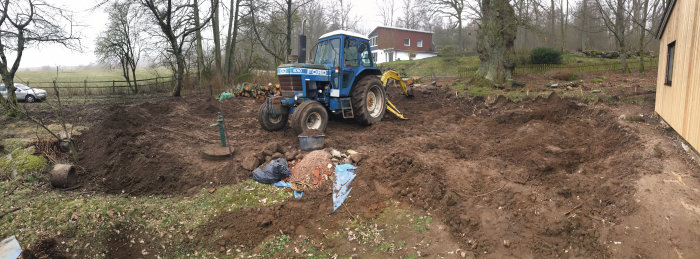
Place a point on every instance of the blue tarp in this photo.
(289, 185)
(9, 248)
(344, 174)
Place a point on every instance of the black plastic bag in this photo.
(273, 172)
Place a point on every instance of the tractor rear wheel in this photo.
(269, 121)
(368, 100)
(309, 115)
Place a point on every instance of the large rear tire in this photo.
(272, 122)
(310, 115)
(368, 100)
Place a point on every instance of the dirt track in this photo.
(554, 177)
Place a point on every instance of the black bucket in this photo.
(311, 143)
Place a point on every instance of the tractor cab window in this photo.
(365, 55)
(328, 53)
(351, 53)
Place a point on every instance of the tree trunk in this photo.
(552, 15)
(136, 84)
(217, 36)
(460, 41)
(231, 38)
(289, 27)
(180, 74)
(198, 36)
(642, 36)
(620, 27)
(495, 40)
(584, 25)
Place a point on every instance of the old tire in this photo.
(368, 100)
(272, 122)
(310, 115)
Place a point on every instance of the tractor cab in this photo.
(342, 80)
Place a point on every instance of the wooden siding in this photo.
(679, 104)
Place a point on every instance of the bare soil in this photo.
(555, 177)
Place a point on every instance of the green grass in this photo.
(70, 75)
(451, 66)
(440, 66)
(84, 221)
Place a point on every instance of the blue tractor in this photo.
(342, 80)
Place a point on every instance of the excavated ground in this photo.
(541, 173)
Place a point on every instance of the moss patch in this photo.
(23, 164)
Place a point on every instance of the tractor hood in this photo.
(304, 65)
(303, 69)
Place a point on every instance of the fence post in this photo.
(85, 86)
(157, 86)
(113, 83)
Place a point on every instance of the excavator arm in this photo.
(393, 75)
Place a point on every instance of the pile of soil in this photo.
(153, 148)
(313, 169)
(539, 173)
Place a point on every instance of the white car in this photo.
(25, 93)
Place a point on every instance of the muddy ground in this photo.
(543, 178)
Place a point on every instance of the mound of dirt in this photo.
(539, 173)
(313, 169)
(47, 248)
(152, 148)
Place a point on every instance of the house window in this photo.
(669, 62)
(419, 43)
(407, 42)
(373, 41)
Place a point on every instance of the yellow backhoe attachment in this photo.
(393, 75)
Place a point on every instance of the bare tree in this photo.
(614, 17)
(123, 42)
(411, 12)
(231, 37)
(217, 36)
(28, 23)
(176, 22)
(386, 11)
(454, 9)
(201, 69)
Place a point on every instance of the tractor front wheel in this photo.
(270, 121)
(368, 100)
(310, 115)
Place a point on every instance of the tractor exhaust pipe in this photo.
(302, 44)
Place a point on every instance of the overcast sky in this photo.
(94, 21)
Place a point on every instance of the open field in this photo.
(464, 66)
(469, 175)
(69, 75)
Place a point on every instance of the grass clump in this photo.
(22, 164)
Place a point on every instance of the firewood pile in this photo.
(256, 91)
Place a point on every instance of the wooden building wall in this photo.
(679, 104)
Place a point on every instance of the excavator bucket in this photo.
(386, 78)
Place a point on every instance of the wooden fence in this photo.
(575, 68)
(86, 88)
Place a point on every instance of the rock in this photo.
(336, 153)
(356, 158)
(300, 156)
(347, 160)
(250, 162)
(351, 152)
(596, 91)
(463, 254)
(506, 243)
(290, 155)
(278, 155)
(271, 148)
(434, 83)
(268, 159)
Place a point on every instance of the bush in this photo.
(447, 51)
(566, 75)
(545, 56)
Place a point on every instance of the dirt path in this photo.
(550, 177)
